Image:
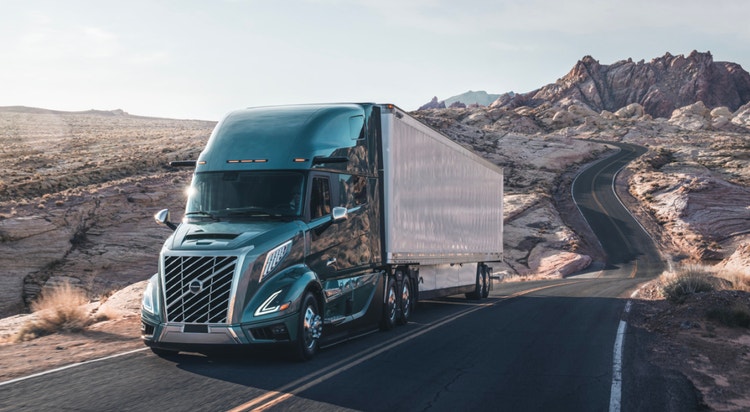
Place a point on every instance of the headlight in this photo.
(148, 297)
(272, 305)
(274, 257)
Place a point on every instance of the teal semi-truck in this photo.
(309, 224)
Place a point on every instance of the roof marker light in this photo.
(247, 161)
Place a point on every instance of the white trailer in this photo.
(443, 207)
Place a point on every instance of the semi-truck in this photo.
(309, 224)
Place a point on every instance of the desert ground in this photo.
(78, 192)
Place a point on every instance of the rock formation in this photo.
(659, 86)
(433, 104)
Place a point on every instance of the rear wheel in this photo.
(390, 306)
(486, 281)
(407, 302)
(481, 286)
(309, 330)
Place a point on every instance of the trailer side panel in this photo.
(443, 203)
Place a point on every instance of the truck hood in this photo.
(223, 235)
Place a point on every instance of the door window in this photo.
(320, 197)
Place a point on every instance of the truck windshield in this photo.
(217, 195)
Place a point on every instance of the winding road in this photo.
(531, 346)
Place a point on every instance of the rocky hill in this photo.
(660, 86)
(77, 192)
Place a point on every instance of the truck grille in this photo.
(198, 288)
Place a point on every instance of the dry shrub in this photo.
(690, 279)
(59, 309)
(687, 280)
(104, 313)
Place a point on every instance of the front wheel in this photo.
(309, 330)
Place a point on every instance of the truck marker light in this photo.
(299, 160)
(247, 161)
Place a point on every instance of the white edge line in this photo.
(615, 393)
(615, 396)
(73, 365)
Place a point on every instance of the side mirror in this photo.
(162, 217)
(339, 214)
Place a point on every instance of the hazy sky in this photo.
(201, 59)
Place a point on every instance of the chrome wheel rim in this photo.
(406, 300)
(312, 327)
(392, 304)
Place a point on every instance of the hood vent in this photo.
(211, 236)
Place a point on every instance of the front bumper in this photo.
(182, 336)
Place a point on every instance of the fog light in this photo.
(280, 332)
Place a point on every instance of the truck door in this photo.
(339, 252)
(354, 254)
(323, 235)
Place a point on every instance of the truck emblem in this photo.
(195, 287)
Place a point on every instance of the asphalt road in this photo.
(545, 345)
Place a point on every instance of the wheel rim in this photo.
(392, 304)
(406, 300)
(312, 327)
(485, 283)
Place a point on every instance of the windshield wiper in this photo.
(259, 212)
(251, 211)
(202, 213)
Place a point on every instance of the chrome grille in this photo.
(197, 288)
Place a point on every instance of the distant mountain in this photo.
(469, 98)
(660, 86)
(37, 110)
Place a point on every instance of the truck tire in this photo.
(479, 285)
(310, 327)
(407, 302)
(390, 306)
(486, 281)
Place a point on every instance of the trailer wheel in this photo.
(390, 306)
(406, 301)
(486, 281)
(310, 328)
(479, 286)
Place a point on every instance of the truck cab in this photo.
(279, 221)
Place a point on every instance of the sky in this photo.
(191, 59)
